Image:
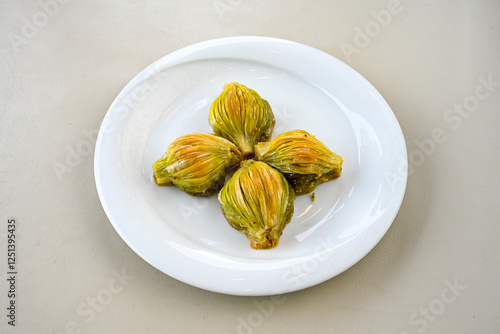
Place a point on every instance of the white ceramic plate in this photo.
(187, 237)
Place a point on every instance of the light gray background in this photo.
(435, 271)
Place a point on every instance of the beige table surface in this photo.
(435, 62)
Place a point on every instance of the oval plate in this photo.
(188, 238)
